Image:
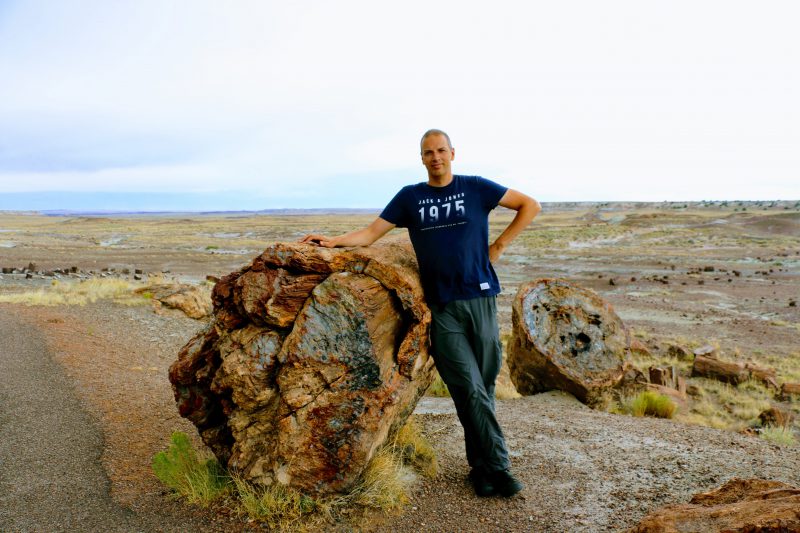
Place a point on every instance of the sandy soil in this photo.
(584, 470)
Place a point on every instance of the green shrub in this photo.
(649, 403)
(199, 480)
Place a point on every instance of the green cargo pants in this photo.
(467, 351)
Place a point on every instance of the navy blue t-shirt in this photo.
(449, 228)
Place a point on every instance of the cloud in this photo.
(580, 100)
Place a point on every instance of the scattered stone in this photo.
(28, 275)
(792, 303)
(7, 270)
(307, 403)
(679, 352)
(708, 269)
(706, 351)
(32, 266)
(137, 277)
(126, 271)
(746, 505)
(138, 271)
(638, 347)
(611, 281)
(193, 301)
(776, 417)
(633, 278)
(567, 338)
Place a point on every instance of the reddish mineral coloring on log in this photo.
(313, 358)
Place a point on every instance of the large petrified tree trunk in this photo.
(567, 338)
(313, 357)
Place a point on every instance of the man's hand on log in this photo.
(319, 240)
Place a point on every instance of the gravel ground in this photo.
(584, 470)
(51, 478)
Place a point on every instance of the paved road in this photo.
(51, 478)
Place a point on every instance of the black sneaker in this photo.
(481, 483)
(505, 483)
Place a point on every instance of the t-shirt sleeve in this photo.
(491, 193)
(395, 212)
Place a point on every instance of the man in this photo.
(448, 222)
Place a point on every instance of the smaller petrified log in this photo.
(709, 367)
(660, 376)
(763, 374)
(746, 505)
(567, 338)
(790, 389)
(775, 417)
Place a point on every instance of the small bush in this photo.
(649, 403)
(782, 436)
(277, 506)
(199, 480)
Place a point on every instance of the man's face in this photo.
(437, 155)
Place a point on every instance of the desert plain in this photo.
(718, 274)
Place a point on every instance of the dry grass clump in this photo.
(78, 293)
(649, 403)
(438, 389)
(782, 436)
(385, 484)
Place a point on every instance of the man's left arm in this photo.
(526, 207)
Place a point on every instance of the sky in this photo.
(201, 104)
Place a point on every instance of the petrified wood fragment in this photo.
(747, 505)
(313, 358)
(567, 338)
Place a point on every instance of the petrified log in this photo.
(790, 389)
(747, 505)
(776, 417)
(567, 338)
(313, 358)
(712, 368)
(763, 374)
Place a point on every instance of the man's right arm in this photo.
(362, 237)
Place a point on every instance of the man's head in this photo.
(437, 152)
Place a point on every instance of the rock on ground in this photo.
(313, 358)
(746, 505)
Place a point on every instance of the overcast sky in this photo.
(321, 103)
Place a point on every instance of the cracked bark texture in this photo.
(565, 337)
(313, 358)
